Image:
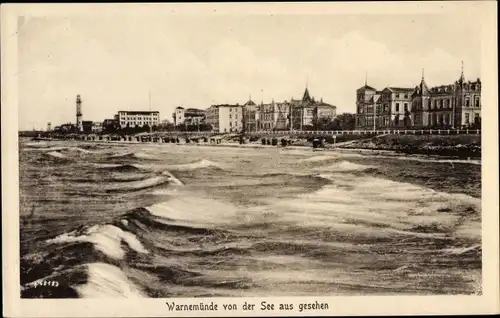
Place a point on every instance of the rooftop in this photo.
(400, 89)
(139, 112)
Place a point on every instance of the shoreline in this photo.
(455, 152)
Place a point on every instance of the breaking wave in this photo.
(118, 167)
(196, 165)
(137, 185)
(318, 159)
(107, 281)
(347, 166)
(56, 154)
(133, 155)
(107, 239)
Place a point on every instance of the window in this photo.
(397, 107)
(467, 118)
(445, 103)
(396, 120)
(477, 101)
(406, 95)
(467, 102)
(406, 107)
(386, 108)
(441, 103)
(397, 95)
(476, 118)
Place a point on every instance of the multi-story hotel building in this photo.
(447, 106)
(138, 118)
(225, 118)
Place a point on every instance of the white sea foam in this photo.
(344, 166)
(172, 179)
(138, 185)
(78, 149)
(379, 207)
(317, 158)
(106, 238)
(195, 165)
(450, 161)
(107, 281)
(196, 210)
(56, 154)
(142, 155)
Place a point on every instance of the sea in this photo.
(118, 220)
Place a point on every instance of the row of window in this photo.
(148, 115)
(405, 107)
(123, 122)
(467, 118)
(398, 95)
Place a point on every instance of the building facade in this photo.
(251, 113)
(289, 115)
(275, 116)
(456, 105)
(225, 118)
(189, 116)
(138, 118)
(87, 126)
(97, 127)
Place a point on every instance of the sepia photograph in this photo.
(185, 155)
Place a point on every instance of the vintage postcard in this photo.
(255, 159)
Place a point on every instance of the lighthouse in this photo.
(79, 126)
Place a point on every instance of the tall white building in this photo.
(138, 118)
(225, 118)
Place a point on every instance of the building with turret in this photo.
(308, 111)
(449, 106)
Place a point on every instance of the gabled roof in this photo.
(367, 88)
(250, 103)
(400, 89)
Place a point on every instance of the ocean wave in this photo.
(318, 159)
(438, 160)
(138, 185)
(204, 163)
(106, 238)
(57, 155)
(347, 166)
(195, 211)
(78, 149)
(118, 167)
(134, 155)
(44, 149)
(107, 281)
(172, 179)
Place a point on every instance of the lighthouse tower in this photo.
(79, 125)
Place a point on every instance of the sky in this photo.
(197, 61)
